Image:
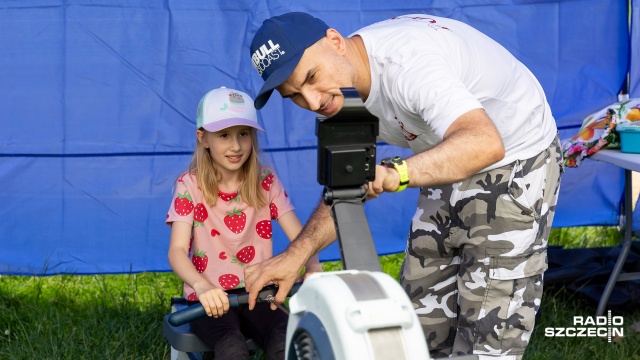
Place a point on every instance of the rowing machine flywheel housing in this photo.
(353, 314)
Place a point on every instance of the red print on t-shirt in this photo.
(432, 22)
(407, 135)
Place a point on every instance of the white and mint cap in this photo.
(222, 108)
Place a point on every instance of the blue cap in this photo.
(278, 46)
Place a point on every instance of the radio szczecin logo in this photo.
(589, 326)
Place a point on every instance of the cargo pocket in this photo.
(517, 267)
(517, 192)
(512, 298)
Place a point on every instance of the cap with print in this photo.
(222, 108)
(278, 46)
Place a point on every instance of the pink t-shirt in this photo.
(230, 235)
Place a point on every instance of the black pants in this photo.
(226, 334)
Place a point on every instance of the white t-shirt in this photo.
(426, 71)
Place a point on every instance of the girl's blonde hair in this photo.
(208, 175)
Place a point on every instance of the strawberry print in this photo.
(235, 220)
(274, 211)
(200, 260)
(214, 232)
(228, 197)
(222, 255)
(200, 214)
(183, 204)
(263, 228)
(229, 281)
(244, 256)
(192, 297)
(267, 180)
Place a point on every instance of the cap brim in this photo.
(223, 124)
(278, 77)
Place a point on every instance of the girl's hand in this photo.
(214, 300)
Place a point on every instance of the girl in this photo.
(221, 217)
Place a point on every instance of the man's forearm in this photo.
(471, 144)
(317, 234)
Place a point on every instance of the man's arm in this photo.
(471, 143)
(292, 227)
(284, 268)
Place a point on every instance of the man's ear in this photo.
(335, 40)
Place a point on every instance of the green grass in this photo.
(585, 237)
(119, 316)
(559, 306)
(85, 317)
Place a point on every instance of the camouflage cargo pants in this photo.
(476, 256)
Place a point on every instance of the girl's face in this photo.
(229, 148)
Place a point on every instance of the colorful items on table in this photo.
(599, 131)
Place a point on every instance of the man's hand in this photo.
(386, 180)
(283, 269)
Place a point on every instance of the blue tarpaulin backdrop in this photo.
(99, 97)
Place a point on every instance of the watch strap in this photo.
(401, 167)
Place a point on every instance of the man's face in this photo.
(316, 81)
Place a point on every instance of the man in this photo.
(487, 161)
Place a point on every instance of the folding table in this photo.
(629, 162)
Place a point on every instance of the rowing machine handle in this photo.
(197, 311)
